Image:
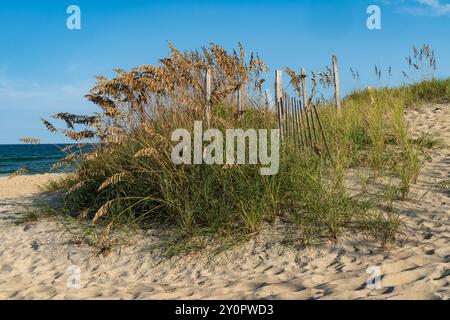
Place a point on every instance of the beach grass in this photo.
(130, 179)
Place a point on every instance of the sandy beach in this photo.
(36, 259)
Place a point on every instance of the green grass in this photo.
(427, 91)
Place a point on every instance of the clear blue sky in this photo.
(46, 68)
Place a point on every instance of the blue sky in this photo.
(46, 68)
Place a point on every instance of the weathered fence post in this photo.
(244, 95)
(304, 89)
(278, 85)
(285, 112)
(268, 100)
(306, 106)
(240, 99)
(208, 87)
(241, 95)
(279, 100)
(337, 88)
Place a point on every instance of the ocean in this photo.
(37, 158)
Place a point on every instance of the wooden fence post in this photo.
(241, 96)
(244, 95)
(306, 106)
(279, 100)
(240, 100)
(208, 86)
(304, 89)
(278, 85)
(268, 100)
(337, 88)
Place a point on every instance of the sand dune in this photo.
(34, 258)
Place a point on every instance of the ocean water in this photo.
(36, 158)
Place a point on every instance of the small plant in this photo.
(407, 167)
(387, 228)
(428, 140)
(390, 195)
(364, 180)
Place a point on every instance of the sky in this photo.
(46, 68)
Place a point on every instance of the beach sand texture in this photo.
(34, 258)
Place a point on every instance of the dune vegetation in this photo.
(128, 179)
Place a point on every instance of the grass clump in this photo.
(135, 181)
(129, 179)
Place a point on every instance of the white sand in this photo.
(34, 258)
